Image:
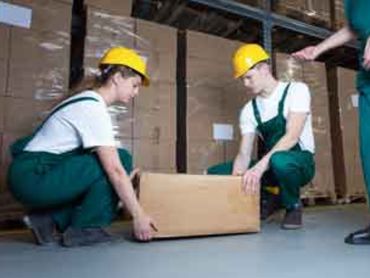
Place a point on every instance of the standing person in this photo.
(357, 13)
(69, 173)
(280, 114)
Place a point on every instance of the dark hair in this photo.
(106, 72)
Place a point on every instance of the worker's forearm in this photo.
(126, 193)
(241, 163)
(284, 144)
(339, 38)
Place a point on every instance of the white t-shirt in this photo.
(84, 124)
(298, 99)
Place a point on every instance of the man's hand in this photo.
(366, 62)
(308, 53)
(252, 178)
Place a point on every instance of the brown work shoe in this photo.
(292, 219)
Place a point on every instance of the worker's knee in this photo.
(280, 163)
(126, 159)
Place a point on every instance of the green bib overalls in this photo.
(290, 169)
(72, 186)
(358, 16)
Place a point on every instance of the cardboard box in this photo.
(48, 15)
(209, 47)
(33, 112)
(123, 8)
(4, 39)
(3, 76)
(203, 154)
(344, 117)
(122, 116)
(314, 75)
(194, 205)
(41, 62)
(339, 17)
(153, 154)
(315, 12)
(155, 112)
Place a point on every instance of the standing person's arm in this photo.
(143, 224)
(339, 38)
(366, 63)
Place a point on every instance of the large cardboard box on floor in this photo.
(314, 75)
(344, 117)
(197, 205)
(213, 98)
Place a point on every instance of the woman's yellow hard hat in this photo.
(126, 57)
(246, 57)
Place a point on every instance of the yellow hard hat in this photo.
(246, 57)
(126, 57)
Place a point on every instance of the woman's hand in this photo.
(144, 228)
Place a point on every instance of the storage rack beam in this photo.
(268, 18)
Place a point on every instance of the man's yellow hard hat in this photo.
(246, 57)
(126, 57)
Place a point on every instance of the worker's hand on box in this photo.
(144, 228)
(252, 180)
(366, 58)
(308, 53)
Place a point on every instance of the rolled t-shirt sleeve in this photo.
(247, 122)
(94, 126)
(300, 98)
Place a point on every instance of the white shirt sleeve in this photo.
(247, 120)
(300, 98)
(93, 125)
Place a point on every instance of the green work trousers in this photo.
(73, 187)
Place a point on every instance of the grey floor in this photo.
(316, 251)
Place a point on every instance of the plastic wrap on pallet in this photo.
(213, 97)
(316, 12)
(151, 117)
(314, 75)
(123, 8)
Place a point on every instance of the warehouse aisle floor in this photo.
(316, 251)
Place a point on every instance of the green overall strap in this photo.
(62, 105)
(18, 146)
(282, 101)
(256, 112)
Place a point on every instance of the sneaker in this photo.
(269, 205)
(292, 219)
(360, 237)
(42, 227)
(74, 237)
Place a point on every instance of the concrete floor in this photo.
(316, 251)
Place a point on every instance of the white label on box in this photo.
(354, 99)
(223, 132)
(15, 15)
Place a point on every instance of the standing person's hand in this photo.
(366, 62)
(308, 53)
(144, 227)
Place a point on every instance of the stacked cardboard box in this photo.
(213, 97)
(119, 7)
(314, 75)
(315, 12)
(34, 75)
(147, 126)
(344, 117)
(339, 18)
